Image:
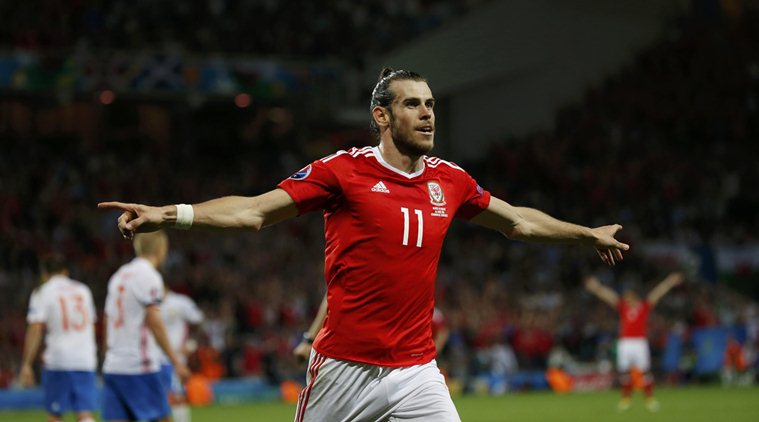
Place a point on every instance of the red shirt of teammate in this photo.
(384, 231)
(633, 318)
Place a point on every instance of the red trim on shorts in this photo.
(313, 371)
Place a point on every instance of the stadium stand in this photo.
(666, 144)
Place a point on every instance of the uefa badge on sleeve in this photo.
(302, 173)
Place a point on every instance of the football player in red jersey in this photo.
(632, 347)
(386, 211)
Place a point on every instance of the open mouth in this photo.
(425, 129)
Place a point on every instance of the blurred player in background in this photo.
(440, 331)
(179, 313)
(133, 388)
(63, 310)
(386, 210)
(632, 347)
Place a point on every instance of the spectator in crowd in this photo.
(676, 168)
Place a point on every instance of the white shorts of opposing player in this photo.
(347, 391)
(633, 352)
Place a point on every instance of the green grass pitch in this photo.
(695, 404)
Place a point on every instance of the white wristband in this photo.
(185, 214)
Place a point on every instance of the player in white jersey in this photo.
(178, 312)
(134, 330)
(63, 309)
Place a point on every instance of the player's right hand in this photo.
(26, 376)
(591, 282)
(136, 218)
(675, 278)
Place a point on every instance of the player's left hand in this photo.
(609, 248)
(182, 372)
(26, 376)
(136, 218)
(302, 351)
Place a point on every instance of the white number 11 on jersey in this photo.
(420, 226)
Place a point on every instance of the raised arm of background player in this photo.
(612, 298)
(303, 349)
(664, 286)
(254, 213)
(155, 325)
(602, 292)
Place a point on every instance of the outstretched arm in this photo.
(531, 225)
(229, 212)
(664, 287)
(602, 292)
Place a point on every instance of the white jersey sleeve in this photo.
(192, 314)
(177, 311)
(148, 290)
(36, 312)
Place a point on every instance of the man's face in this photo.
(412, 120)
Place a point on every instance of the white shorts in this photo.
(633, 352)
(338, 390)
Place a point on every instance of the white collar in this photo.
(381, 160)
(57, 277)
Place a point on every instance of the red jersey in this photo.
(633, 320)
(384, 231)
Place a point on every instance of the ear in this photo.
(381, 116)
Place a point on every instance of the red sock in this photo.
(626, 382)
(648, 384)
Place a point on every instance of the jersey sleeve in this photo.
(149, 291)
(475, 198)
(312, 188)
(91, 305)
(192, 313)
(36, 312)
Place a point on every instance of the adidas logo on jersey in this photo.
(380, 187)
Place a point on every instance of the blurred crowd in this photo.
(299, 28)
(666, 147)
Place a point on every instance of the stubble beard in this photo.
(405, 143)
